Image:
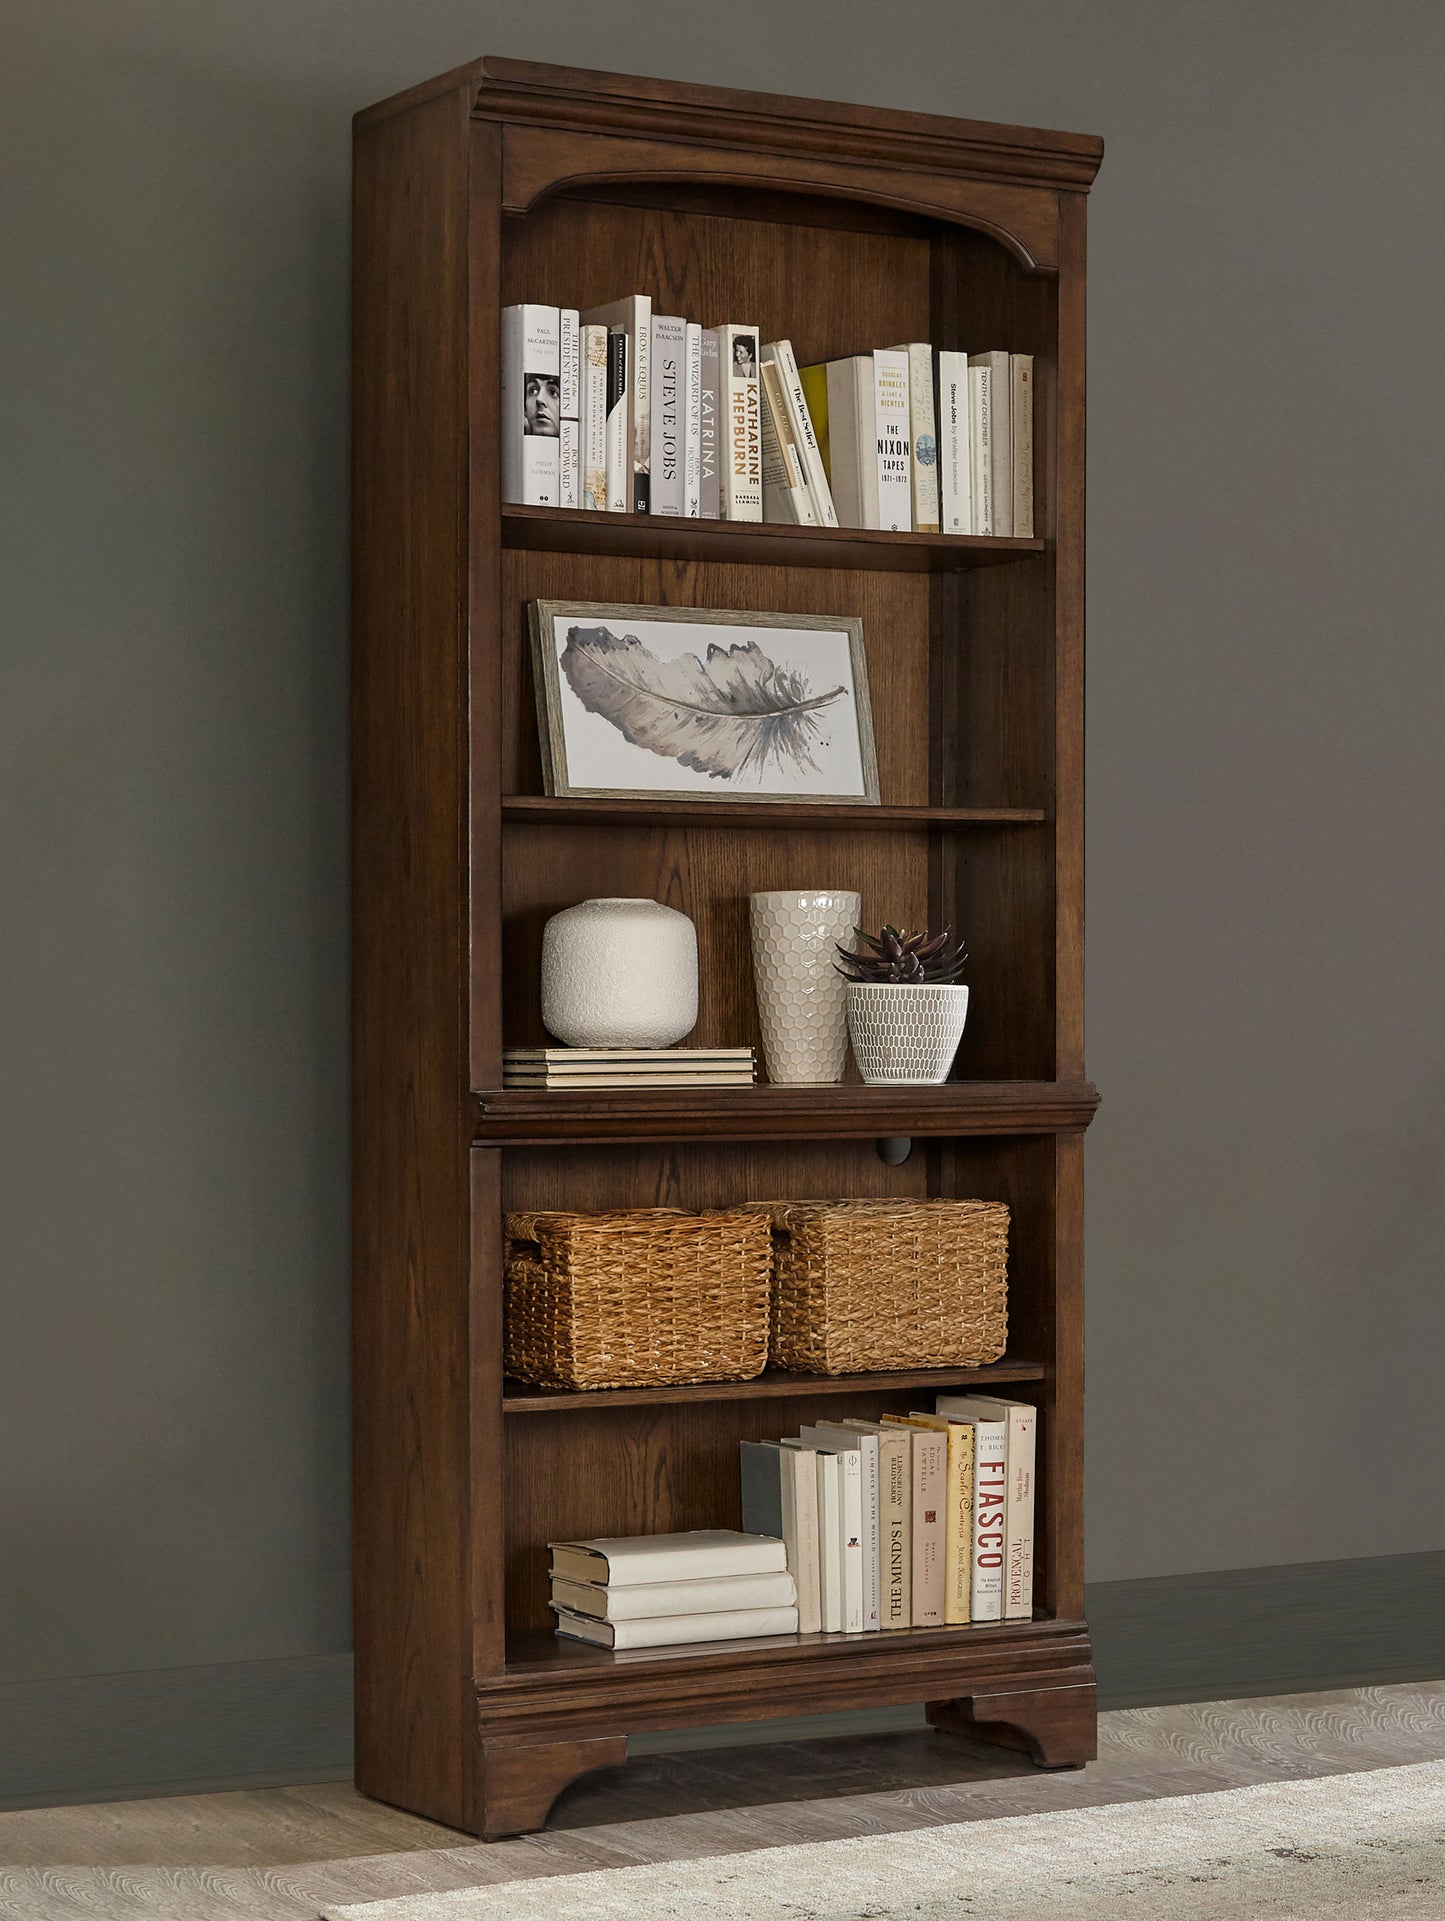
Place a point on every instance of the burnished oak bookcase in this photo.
(841, 228)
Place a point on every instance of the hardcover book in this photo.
(618, 436)
(925, 436)
(850, 1519)
(893, 431)
(990, 1498)
(1000, 440)
(847, 1435)
(698, 1555)
(634, 317)
(532, 406)
(870, 451)
(742, 431)
(1020, 1449)
(709, 442)
(958, 1518)
(785, 485)
(954, 477)
(895, 1521)
(675, 1630)
(930, 1499)
(692, 424)
(656, 1598)
(594, 418)
(571, 436)
(669, 414)
(804, 435)
(1021, 420)
(980, 445)
(780, 1496)
(814, 383)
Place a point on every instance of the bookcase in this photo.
(841, 228)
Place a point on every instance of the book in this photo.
(930, 1494)
(516, 1077)
(958, 1518)
(593, 454)
(848, 1435)
(699, 1555)
(990, 1498)
(785, 485)
(634, 317)
(893, 418)
(830, 1533)
(569, 1056)
(955, 486)
(656, 1598)
(814, 383)
(531, 406)
(692, 423)
(780, 1496)
(1020, 1451)
(673, 1630)
(1000, 440)
(805, 439)
(1021, 421)
(924, 474)
(741, 422)
(980, 446)
(709, 440)
(850, 1518)
(669, 414)
(895, 1521)
(571, 436)
(618, 426)
(870, 452)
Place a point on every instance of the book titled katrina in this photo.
(669, 415)
(676, 1630)
(571, 399)
(924, 472)
(955, 484)
(741, 426)
(532, 405)
(1021, 1449)
(634, 317)
(709, 435)
(698, 1555)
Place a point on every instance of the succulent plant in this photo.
(896, 958)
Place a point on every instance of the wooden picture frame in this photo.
(792, 720)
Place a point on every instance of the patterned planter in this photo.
(905, 1036)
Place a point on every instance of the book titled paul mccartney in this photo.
(741, 424)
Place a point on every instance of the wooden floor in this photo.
(278, 1854)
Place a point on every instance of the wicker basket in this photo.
(637, 1297)
(865, 1285)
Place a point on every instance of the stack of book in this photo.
(603, 1067)
(660, 1590)
(619, 409)
(917, 1520)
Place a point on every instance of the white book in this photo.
(955, 483)
(699, 1555)
(692, 423)
(925, 436)
(852, 433)
(661, 1056)
(656, 1598)
(830, 1543)
(741, 423)
(1000, 439)
(895, 1520)
(634, 317)
(594, 418)
(990, 1498)
(850, 1519)
(710, 437)
(865, 1440)
(675, 1630)
(805, 436)
(531, 406)
(618, 436)
(893, 428)
(785, 485)
(780, 1496)
(1021, 420)
(1021, 1448)
(980, 445)
(669, 414)
(571, 452)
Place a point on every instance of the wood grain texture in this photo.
(1057, 1726)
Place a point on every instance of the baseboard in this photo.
(1202, 1637)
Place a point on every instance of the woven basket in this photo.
(860, 1286)
(636, 1298)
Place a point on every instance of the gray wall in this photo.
(1264, 826)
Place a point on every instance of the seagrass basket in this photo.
(860, 1286)
(637, 1297)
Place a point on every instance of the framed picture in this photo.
(685, 703)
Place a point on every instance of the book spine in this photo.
(676, 1630)
(930, 1494)
(814, 383)
(872, 1536)
(742, 431)
(639, 401)
(617, 431)
(850, 1488)
(954, 477)
(804, 1476)
(675, 1597)
(894, 443)
(990, 1499)
(1021, 422)
(709, 441)
(669, 414)
(571, 437)
(692, 423)
(804, 435)
(1000, 449)
(895, 1466)
(531, 406)
(853, 463)
(1018, 1599)
(785, 486)
(925, 438)
(958, 1546)
(980, 446)
(830, 1544)
(594, 418)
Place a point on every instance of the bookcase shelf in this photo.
(840, 229)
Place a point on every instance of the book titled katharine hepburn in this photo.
(742, 429)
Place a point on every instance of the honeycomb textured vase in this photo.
(802, 998)
(906, 1036)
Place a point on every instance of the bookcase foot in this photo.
(1057, 1727)
(519, 1780)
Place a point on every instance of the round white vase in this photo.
(619, 973)
(906, 1036)
(802, 998)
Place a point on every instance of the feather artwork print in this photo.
(728, 715)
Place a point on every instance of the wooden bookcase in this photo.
(841, 228)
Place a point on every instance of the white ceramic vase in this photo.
(802, 998)
(906, 1036)
(619, 973)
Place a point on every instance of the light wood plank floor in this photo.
(278, 1854)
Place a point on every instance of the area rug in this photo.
(1356, 1845)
